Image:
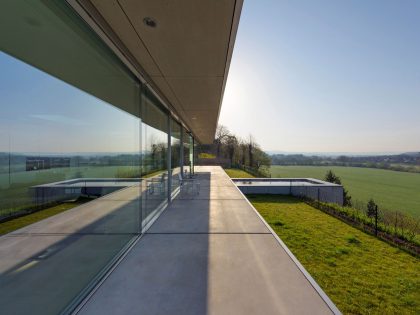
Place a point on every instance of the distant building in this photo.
(44, 163)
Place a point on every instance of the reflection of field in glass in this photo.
(16, 196)
(14, 224)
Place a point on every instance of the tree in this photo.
(346, 198)
(243, 147)
(221, 133)
(332, 178)
(262, 159)
(372, 212)
(250, 145)
(371, 208)
(231, 143)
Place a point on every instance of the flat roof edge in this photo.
(316, 182)
(233, 32)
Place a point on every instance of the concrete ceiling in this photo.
(185, 58)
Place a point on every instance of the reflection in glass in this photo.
(191, 147)
(64, 149)
(69, 149)
(154, 158)
(188, 149)
(175, 154)
(81, 140)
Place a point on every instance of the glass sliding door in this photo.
(191, 155)
(195, 153)
(175, 154)
(186, 152)
(84, 146)
(154, 157)
(70, 157)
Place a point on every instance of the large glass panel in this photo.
(192, 155)
(70, 157)
(186, 152)
(61, 148)
(175, 154)
(154, 157)
(195, 154)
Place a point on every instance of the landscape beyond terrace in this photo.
(392, 190)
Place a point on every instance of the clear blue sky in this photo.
(327, 75)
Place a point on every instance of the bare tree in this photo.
(231, 143)
(250, 144)
(221, 133)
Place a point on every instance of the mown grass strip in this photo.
(237, 173)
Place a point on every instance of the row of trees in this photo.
(240, 152)
(408, 162)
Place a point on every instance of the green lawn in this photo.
(12, 225)
(361, 274)
(390, 189)
(237, 173)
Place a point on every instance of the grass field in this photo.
(236, 173)
(361, 274)
(390, 189)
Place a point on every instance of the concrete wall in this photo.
(333, 194)
(65, 190)
(318, 190)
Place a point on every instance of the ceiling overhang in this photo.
(185, 58)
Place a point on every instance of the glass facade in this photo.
(175, 154)
(154, 157)
(188, 167)
(84, 147)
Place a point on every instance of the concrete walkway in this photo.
(208, 254)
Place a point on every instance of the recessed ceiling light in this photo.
(149, 22)
(193, 118)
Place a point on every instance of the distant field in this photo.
(390, 189)
(361, 274)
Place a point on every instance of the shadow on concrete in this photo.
(166, 272)
(44, 266)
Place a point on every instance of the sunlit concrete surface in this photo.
(208, 254)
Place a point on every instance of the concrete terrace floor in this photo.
(208, 254)
(43, 266)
